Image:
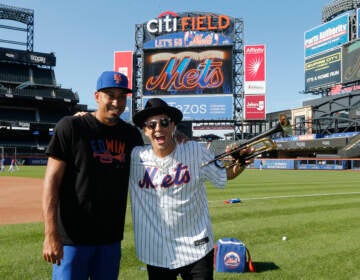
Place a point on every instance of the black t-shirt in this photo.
(93, 192)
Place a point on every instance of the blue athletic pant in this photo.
(101, 262)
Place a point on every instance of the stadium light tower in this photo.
(22, 15)
(338, 7)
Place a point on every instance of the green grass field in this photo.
(318, 211)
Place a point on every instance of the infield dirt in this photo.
(20, 200)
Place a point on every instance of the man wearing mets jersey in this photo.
(172, 227)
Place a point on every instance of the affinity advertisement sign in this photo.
(327, 36)
(254, 77)
(351, 63)
(254, 107)
(323, 71)
(184, 72)
(211, 107)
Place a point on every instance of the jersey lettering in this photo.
(182, 176)
(147, 180)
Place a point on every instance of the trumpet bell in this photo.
(258, 147)
(263, 145)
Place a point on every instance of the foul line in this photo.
(290, 196)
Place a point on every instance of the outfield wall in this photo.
(268, 163)
(309, 163)
(27, 160)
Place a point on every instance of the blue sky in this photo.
(85, 34)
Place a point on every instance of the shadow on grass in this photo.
(264, 266)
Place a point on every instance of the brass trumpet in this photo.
(260, 143)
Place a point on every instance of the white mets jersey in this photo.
(169, 204)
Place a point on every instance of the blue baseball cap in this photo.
(112, 79)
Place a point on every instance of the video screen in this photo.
(188, 71)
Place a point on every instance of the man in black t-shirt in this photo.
(86, 186)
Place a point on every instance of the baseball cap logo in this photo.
(112, 79)
(117, 78)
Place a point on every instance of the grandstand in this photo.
(31, 101)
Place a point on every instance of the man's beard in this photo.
(113, 119)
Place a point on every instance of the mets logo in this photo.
(117, 78)
(232, 260)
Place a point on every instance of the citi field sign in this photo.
(191, 29)
(188, 61)
(170, 22)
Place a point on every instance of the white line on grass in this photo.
(291, 196)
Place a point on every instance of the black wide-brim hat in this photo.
(157, 106)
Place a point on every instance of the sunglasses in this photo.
(163, 123)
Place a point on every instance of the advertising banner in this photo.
(327, 36)
(275, 163)
(358, 23)
(11, 55)
(183, 72)
(351, 62)
(254, 106)
(123, 63)
(323, 71)
(322, 166)
(254, 69)
(188, 39)
(210, 107)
